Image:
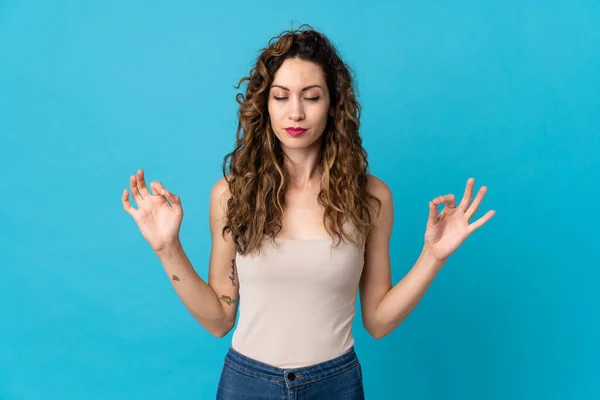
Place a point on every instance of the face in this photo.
(298, 98)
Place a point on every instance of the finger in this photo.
(157, 187)
(449, 200)
(452, 200)
(481, 221)
(466, 200)
(475, 205)
(141, 184)
(126, 204)
(173, 199)
(433, 214)
(134, 189)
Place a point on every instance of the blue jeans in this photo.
(245, 378)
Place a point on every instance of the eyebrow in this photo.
(306, 88)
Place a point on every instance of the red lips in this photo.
(295, 131)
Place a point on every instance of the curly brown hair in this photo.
(256, 177)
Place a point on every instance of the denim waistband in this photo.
(291, 376)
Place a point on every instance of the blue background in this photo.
(504, 91)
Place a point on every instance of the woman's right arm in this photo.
(213, 304)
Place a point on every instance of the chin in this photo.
(299, 143)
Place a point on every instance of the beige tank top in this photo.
(297, 301)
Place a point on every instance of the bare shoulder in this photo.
(221, 187)
(378, 188)
(220, 191)
(219, 196)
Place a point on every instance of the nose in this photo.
(297, 110)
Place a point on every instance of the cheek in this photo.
(321, 116)
(274, 112)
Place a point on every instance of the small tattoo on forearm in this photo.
(232, 276)
(227, 299)
(175, 278)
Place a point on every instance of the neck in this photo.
(303, 167)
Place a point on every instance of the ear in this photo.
(332, 112)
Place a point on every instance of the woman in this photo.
(298, 226)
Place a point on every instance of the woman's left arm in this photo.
(384, 307)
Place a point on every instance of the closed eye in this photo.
(305, 98)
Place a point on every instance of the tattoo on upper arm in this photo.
(227, 299)
(175, 278)
(232, 276)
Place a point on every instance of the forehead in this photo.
(296, 74)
